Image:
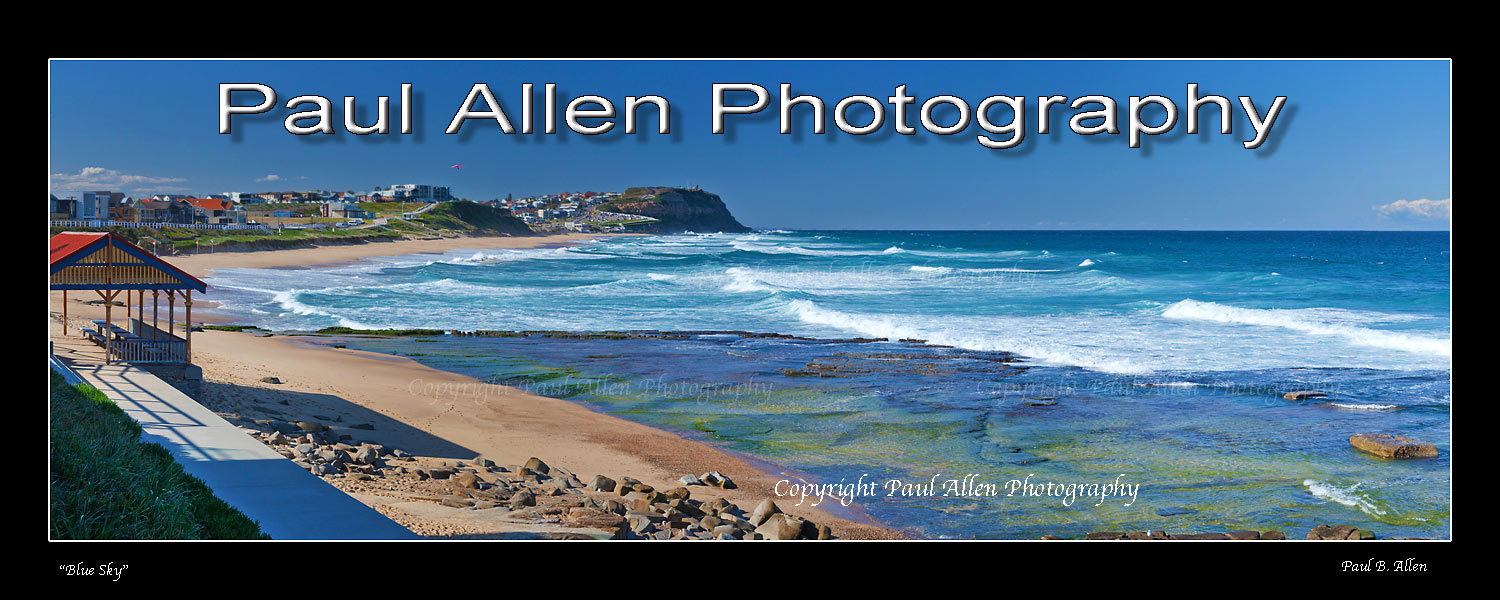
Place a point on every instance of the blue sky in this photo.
(1359, 144)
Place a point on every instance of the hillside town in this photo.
(574, 211)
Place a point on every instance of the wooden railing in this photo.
(146, 344)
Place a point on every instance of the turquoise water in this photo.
(1166, 354)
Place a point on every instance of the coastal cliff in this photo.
(676, 210)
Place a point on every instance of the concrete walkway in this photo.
(288, 502)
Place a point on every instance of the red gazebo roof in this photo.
(125, 265)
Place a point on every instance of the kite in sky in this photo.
(456, 167)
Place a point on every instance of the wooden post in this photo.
(65, 313)
(188, 334)
(171, 312)
(155, 313)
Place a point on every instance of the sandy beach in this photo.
(433, 414)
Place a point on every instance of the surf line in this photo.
(1102, 120)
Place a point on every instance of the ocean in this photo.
(1156, 359)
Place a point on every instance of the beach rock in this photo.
(310, 426)
(442, 473)
(1385, 445)
(763, 512)
(1199, 536)
(595, 518)
(1050, 537)
(1303, 395)
(285, 428)
(1243, 535)
(363, 426)
(824, 532)
(536, 466)
(1104, 535)
(1273, 535)
(1338, 532)
(690, 480)
(729, 532)
(717, 505)
(522, 498)
(781, 526)
(639, 524)
(457, 501)
(465, 480)
(717, 479)
(270, 380)
(367, 455)
(643, 488)
(681, 493)
(275, 438)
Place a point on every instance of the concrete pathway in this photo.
(288, 502)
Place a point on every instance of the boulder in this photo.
(1244, 535)
(1104, 535)
(763, 512)
(717, 479)
(465, 480)
(367, 455)
(270, 380)
(1273, 535)
(1200, 536)
(690, 480)
(536, 466)
(678, 493)
(1385, 445)
(522, 498)
(276, 438)
(717, 505)
(310, 426)
(1303, 395)
(781, 526)
(1337, 532)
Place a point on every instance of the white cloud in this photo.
(271, 177)
(100, 178)
(1422, 207)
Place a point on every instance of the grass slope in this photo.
(107, 484)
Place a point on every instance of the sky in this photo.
(1357, 145)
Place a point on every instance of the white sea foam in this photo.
(900, 327)
(1308, 321)
(933, 270)
(1347, 496)
(661, 276)
(744, 280)
(1349, 406)
(1087, 262)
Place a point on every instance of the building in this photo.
(215, 211)
(95, 205)
(345, 210)
(412, 192)
(65, 208)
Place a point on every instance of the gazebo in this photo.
(110, 265)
